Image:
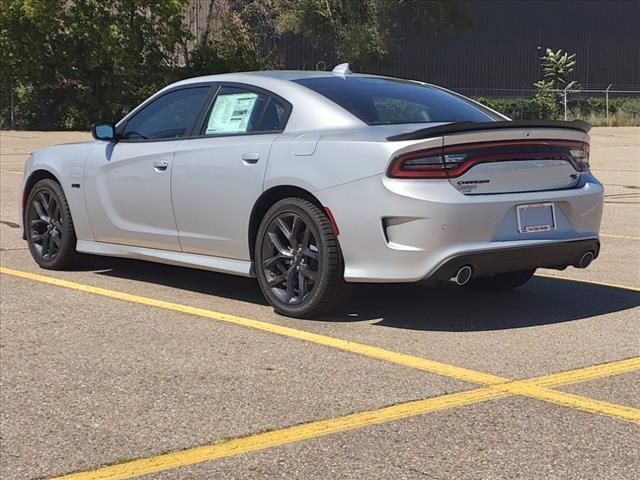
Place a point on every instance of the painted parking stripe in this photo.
(615, 235)
(411, 361)
(498, 387)
(321, 428)
(284, 436)
(451, 371)
(585, 374)
(444, 369)
(578, 402)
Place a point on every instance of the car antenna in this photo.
(343, 70)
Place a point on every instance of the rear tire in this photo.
(298, 260)
(49, 227)
(501, 281)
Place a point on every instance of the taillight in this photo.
(420, 164)
(454, 160)
(581, 157)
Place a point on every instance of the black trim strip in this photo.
(555, 255)
(459, 127)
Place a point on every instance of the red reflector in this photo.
(334, 225)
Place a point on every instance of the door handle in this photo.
(250, 157)
(160, 165)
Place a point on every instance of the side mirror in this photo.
(104, 131)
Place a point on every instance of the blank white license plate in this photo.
(536, 217)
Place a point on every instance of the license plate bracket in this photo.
(536, 217)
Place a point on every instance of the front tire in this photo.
(501, 281)
(49, 227)
(298, 260)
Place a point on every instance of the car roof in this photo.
(285, 75)
(311, 110)
(314, 112)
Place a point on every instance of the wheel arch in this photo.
(34, 177)
(266, 200)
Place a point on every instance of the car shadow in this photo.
(199, 281)
(542, 301)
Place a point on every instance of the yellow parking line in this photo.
(589, 405)
(497, 387)
(444, 369)
(591, 282)
(451, 371)
(261, 441)
(284, 436)
(615, 235)
(418, 363)
(537, 388)
(586, 373)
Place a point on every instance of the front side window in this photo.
(386, 101)
(170, 116)
(237, 110)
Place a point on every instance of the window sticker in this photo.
(231, 113)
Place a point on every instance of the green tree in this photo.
(231, 40)
(72, 62)
(546, 100)
(359, 30)
(557, 67)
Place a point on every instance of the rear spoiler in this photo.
(458, 127)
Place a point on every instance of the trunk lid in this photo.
(510, 157)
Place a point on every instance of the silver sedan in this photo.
(311, 181)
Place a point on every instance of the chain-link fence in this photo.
(607, 106)
(600, 106)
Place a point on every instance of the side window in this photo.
(274, 116)
(237, 110)
(170, 116)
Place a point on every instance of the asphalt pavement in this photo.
(123, 369)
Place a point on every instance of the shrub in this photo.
(623, 111)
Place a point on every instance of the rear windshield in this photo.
(383, 101)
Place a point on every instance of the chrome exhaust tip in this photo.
(586, 260)
(463, 275)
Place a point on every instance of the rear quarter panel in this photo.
(335, 159)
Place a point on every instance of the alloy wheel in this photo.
(291, 255)
(45, 225)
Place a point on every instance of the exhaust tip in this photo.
(463, 275)
(586, 259)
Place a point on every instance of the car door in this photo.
(217, 178)
(128, 183)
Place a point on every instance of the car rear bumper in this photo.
(485, 263)
(403, 230)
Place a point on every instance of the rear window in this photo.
(383, 101)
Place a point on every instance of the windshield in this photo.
(386, 101)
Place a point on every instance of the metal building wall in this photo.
(500, 53)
